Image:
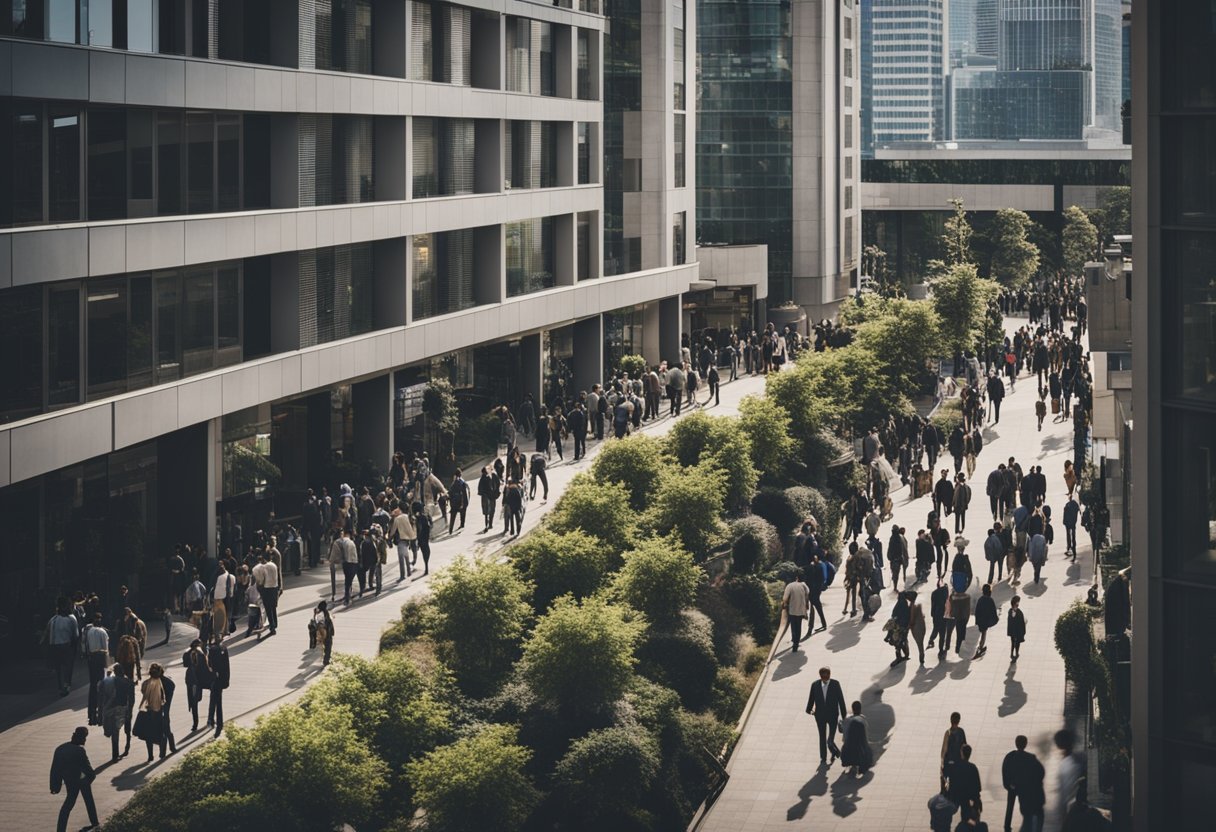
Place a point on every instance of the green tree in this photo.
(1080, 242)
(659, 579)
(580, 657)
(689, 503)
(721, 441)
(1113, 215)
(961, 299)
(1014, 258)
(603, 778)
(768, 430)
(874, 263)
(479, 782)
(907, 336)
(634, 365)
(440, 408)
(680, 654)
(481, 612)
(557, 564)
(957, 236)
(601, 510)
(636, 462)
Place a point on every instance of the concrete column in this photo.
(285, 33)
(670, 320)
(372, 401)
(215, 489)
(489, 259)
(389, 38)
(589, 352)
(285, 302)
(487, 49)
(284, 161)
(564, 250)
(531, 363)
(390, 169)
(567, 154)
(651, 327)
(389, 279)
(565, 61)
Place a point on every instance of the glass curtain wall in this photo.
(529, 256)
(336, 293)
(442, 269)
(343, 31)
(530, 148)
(530, 64)
(337, 159)
(444, 156)
(441, 43)
(622, 102)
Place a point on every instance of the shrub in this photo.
(556, 564)
(728, 623)
(722, 442)
(580, 656)
(784, 572)
(481, 612)
(414, 623)
(659, 579)
(949, 415)
(634, 365)
(475, 783)
(689, 502)
(233, 812)
(768, 427)
(775, 506)
(756, 544)
(599, 509)
(906, 336)
(636, 462)
(750, 596)
(729, 695)
(1075, 644)
(681, 656)
(603, 777)
(753, 660)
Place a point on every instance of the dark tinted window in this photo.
(107, 164)
(63, 345)
(21, 345)
(106, 310)
(63, 174)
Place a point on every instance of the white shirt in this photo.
(224, 586)
(267, 574)
(96, 639)
(796, 598)
(62, 629)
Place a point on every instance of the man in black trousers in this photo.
(221, 674)
(1022, 774)
(826, 702)
(70, 767)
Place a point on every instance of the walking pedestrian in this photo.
(96, 644)
(1022, 775)
(1070, 773)
(342, 551)
(1072, 510)
(321, 630)
(996, 393)
(1036, 552)
(117, 694)
(965, 786)
(916, 624)
(897, 629)
(855, 751)
(962, 499)
(715, 386)
(488, 489)
(404, 536)
(198, 678)
(423, 524)
(1015, 627)
(795, 601)
(577, 425)
(826, 700)
(63, 636)
(986, 616)
(943, 624)
(221, 675)
(952, 746)
(221, 601)
(458, 500)
(71, 770)
(537, 472)
(150, 722)
(817, 581)
(897, 556)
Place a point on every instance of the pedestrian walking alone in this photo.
(825, 702)
(71, 770)
(986, 617)
(1015, 627)
(855, 751)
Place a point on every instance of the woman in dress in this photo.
(855, 752)
(152, 729)
(1070, 477)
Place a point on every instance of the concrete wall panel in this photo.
(200, 400)
(63, 439)
(146, 416)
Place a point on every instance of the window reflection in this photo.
(1188, 259)
(1190, 493)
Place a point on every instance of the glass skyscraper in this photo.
(902, 92)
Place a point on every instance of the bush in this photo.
(599, 509)
(602, 778)
(637, 462)
(658, 579)
(1075, 644)
(728, 623)
(753, 661)
(634, 365)
(721, 441)
(481, 612)
(948, 416)
(414, 623)
(681, 656)
(784, 572)
(556, 564)
(768, 427)
(233, 812)
(775, 506)
(750, 596)
(580, 656)
(689, 502)
(756, 544)
(730, 694)
(475, 783)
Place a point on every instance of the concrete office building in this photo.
(239, 237)
(778, 141)
(903, 89)
(1173, 531)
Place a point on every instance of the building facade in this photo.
(906, 77)
(238, 238)
(779, 139)
(1174, 437)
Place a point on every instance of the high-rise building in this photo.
(973, 29)
(238, 239)
(1173, 539)
(778, 140)
(907, 70)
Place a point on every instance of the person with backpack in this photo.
(198, 678)
(321, 630)
(986, 616)
(819, 577)
(1036, 553)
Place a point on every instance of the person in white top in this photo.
(96, 646)
(267, 576)
(796, 600)
(221, 601)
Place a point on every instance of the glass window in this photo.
(100, 17)
(1190, 663)
(168, 163)
(1189, 65)
(200, 29)
(1190, 495)
(1189, 189)
(678, 239)
(139, 26)
(422, 247)
(26, 164)
(424, 172)
(139, 333)
(63, 344)
(21, 346)
(228, 162)
(1187, 258)
(228, 314)
(529, 256)
(106, 326)
(200, 164)
(681, 165)
(107, 164)
(584, 153)
(198, 322)
(61, 20)
(172, 21)
(168, 328)
(139, 149)
(63, 175)
(585, 220)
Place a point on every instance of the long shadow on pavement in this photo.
(1015, 695)
(1034, 590)
(845, 634)
(789, 664)
(845, 790)
(926, 679)
(881, 720)
(817, 786)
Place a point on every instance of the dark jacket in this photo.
(1015, 624)
(996, 388)
(458, 494)
(1022, 774)
(70, 765)
(937, 601)
(944, 492)
(217, 657)
(985, 612)
(577, 423)
(825, 708)
(198, 672)
(964, 783)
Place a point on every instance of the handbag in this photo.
(144, 724)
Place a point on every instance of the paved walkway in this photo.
(776, 782)
(264, 674)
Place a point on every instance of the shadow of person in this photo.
(961, 668)
(926, 679)
(891, 676)
(817, 786)
(1015, 695)
(1034, 590)
(880, 719)
(843, 636)
(1055, 442)
(789, 664)
(845, 790)
(1075, 574)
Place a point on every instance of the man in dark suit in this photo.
(217, 660)
(825, 702)
(70, 767)
(1022, 774)
(965, 786)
